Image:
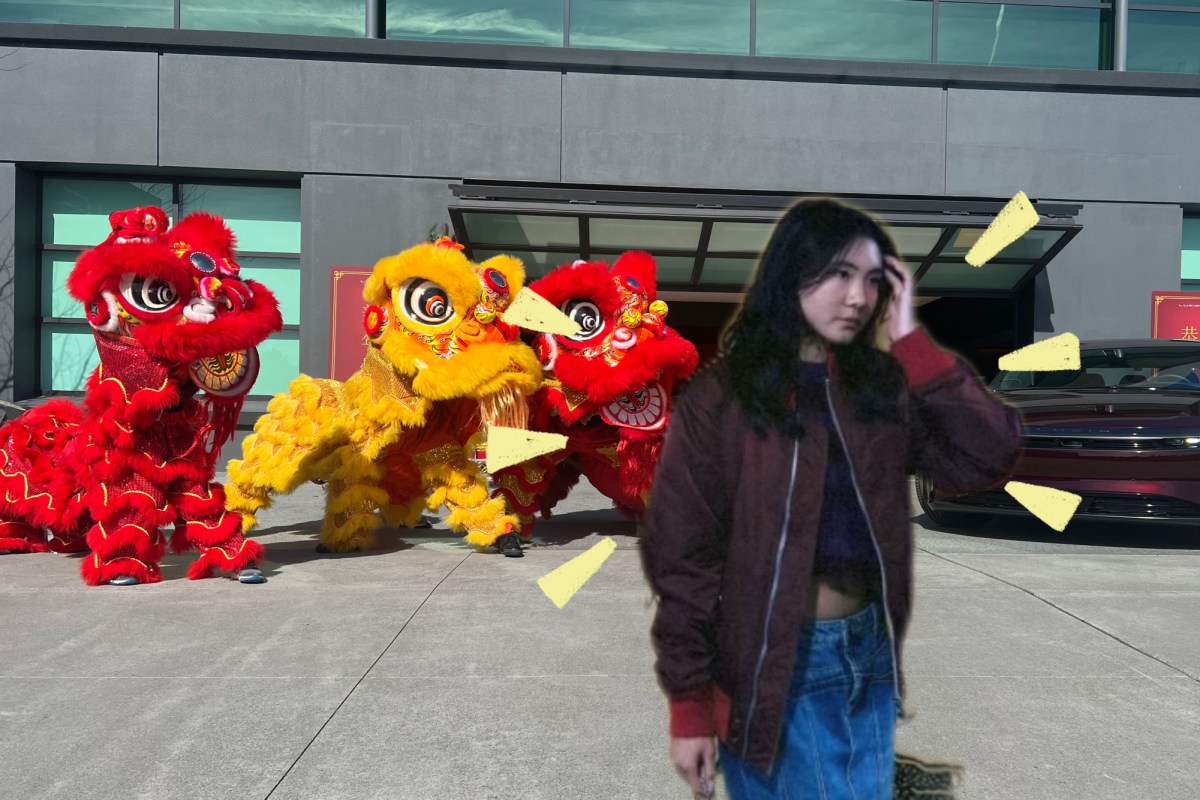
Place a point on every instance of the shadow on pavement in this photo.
(573, 526)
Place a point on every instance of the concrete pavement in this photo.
(1052, 666)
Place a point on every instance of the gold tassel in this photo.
(506, 407)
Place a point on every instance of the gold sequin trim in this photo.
(450, 453)
(610, 453)
(386, 382)
(331, 393)
(524, 499)
(358, 507)
(574, 399)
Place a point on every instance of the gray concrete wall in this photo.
(376, 144)
(355, 221)
(739, 134)
(374, 119)
(18, 284)
(79, 106)
(1099, 286)
(1086, 146)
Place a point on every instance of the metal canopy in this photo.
(707, 245)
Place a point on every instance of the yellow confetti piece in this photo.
(1009, 225)
(1052, 506)
(535, 313)
(562, 584)
(508, 446)
(1059, 352)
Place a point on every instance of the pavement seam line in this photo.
(358, 683)
(1070, 614)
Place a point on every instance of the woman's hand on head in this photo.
(695, 760)
(900, 321)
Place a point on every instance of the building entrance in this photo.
(707, 245)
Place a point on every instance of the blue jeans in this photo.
(839, 726)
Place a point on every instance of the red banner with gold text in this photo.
(1175, 315)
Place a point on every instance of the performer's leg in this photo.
(18, 537)
(454, 481)
(126, 540)
(216, 533)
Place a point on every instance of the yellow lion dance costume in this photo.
(395, 437)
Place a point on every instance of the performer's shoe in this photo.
(123, 580)
(510, 545)
(251, 574)
(323, 549)
(422, 523)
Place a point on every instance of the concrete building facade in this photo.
(383, 139)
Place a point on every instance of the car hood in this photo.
(1106, 408)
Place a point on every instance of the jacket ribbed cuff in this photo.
(921, 359)
(692, 713)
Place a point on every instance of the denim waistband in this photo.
(865, 622)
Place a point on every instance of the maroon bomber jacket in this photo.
(733, 586)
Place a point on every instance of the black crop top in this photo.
(846, 555)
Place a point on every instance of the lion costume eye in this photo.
(150, 294)
(425, 302)
(587, 315)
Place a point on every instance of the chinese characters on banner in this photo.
(347, 338)
(1175, 315)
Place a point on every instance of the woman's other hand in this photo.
(900, 308)
(695, 759)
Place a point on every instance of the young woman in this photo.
(777, 537)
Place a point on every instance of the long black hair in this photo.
(760, 363)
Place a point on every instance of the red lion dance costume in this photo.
(607, 388)
(170, 317)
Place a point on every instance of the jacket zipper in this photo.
(887, 613)
(762, 656)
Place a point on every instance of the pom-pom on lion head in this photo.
(174, 293)
(624, 359)
(436, 316)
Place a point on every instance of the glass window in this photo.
(692, 26)
(536, 264)
(56, 301)
(314, 17)
(1162, 41)
(915, 242)
(265, 219)
(998, 34)
(127, 13)
(528, 22)
(76, 211)
(961, 275)
(1191, 250)
(279, 359)
(675, 269)
(671, 269)
(282, 277)
(1033, 245)
(740, 237)
(728, 271)
(859, 30)
(68, 357)
(646, 234)
(522, 229)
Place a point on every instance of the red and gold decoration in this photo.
(607, 388)
(1175, 315)
(140, 455)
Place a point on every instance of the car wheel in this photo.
(947, 519)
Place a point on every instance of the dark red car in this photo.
(1123, 432)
